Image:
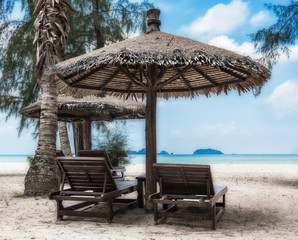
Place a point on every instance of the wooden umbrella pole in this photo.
(77, 127)
(150, 145)
(87, 139)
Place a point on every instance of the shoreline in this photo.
(194, 159)
(21, 168)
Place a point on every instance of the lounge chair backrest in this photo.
(86, 174)
(96, 153)
(184, 179)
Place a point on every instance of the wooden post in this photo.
(82, 135)
(87, 141)
(78, 136)
(150, 133)
(150, 146)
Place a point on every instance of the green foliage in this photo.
(274, 41)
(17, 53)
(18, 195)
(30, 159)
(114, 139)
(100, 125)
(18, 86)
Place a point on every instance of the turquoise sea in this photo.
(222, 159)
(197, 159)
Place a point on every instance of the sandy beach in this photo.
(262, 203)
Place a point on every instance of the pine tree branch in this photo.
(287, 21)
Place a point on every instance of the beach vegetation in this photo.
(276, 39)
(30, 159)
(115, 140)
(18, 195)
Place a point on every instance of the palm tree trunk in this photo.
(51, 31)
(64, 139)
(42, 175)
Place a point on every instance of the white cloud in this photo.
(245, 48)
(220, 19)
(293, 56)
(259, 18)
(284, 98)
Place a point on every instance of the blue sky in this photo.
(230, 123)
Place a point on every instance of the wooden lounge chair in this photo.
(90, 182)
(103, 153)
(187, 185)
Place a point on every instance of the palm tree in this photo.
(51, 31)
(112, 20)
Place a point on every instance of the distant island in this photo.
(207, 151)
(142, 151)
(163, 152)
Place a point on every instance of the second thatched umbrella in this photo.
(82, 110)
(91, 107)
(159, 64)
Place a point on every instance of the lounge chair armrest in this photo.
(52, 194)
(219, 192)
(153, 196)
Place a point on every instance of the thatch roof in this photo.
(94, 108)
(186, 68)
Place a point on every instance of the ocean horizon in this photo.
(193, 158)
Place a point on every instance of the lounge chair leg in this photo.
(140, 194)
(59, 207)
(109, 211)
(214, 217)
(155, 206)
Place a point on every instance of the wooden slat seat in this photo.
(187, 185)
(103, 153)
(90, 182)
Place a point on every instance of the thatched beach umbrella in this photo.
(93, 108)
(158, 64)
(82, 111)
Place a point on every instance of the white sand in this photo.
(262, 203)
(13, 168)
